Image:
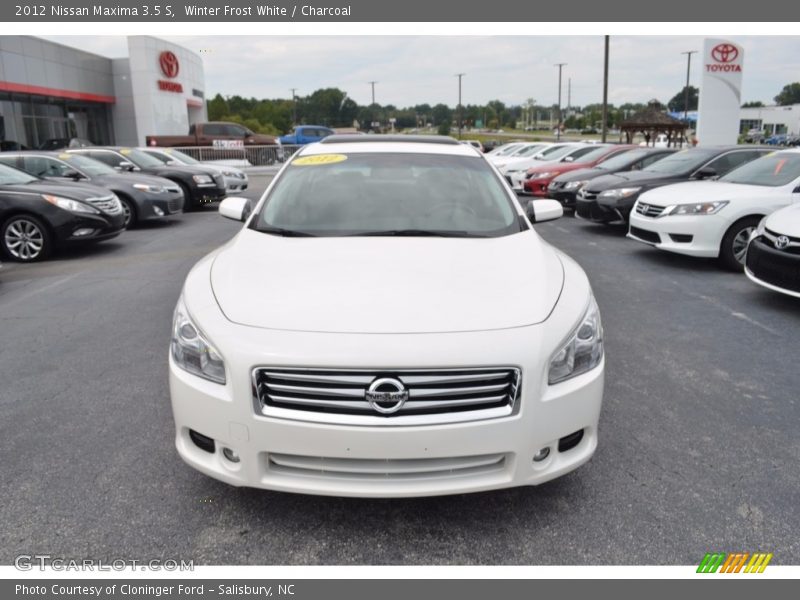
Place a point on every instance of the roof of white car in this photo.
(411, 144)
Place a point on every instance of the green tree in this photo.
(444, 128)
(753, 104)
(217, 108)
(676, 103)
(790, 94)
(442, 114)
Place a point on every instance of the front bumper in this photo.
(689, 235)
(537, 187)
(236, 185)
(777, 270)
(567, 198)
(384, 461)
(159, 206)
(102, 227)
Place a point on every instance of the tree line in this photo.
(332, 107)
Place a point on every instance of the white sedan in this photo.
(773, 255)
(357, 336)
(715, 219)
(236, 180)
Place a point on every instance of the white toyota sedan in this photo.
(715, 219)
(773, 255)
(386, 323)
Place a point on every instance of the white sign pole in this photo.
(720, 93)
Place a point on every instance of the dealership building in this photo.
(51, 91)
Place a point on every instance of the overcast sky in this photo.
(417, 69)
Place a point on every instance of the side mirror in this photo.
(234, 208)
(705, 173)
(127, 166)
(539, 211)
(569, 159)
(74, 175)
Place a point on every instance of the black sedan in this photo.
(200, 186)
(143, 197)
(564, 188)
(37, 215)
(610, 198)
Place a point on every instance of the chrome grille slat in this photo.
(487, 392)
(649, 210)
(387, 467)
(108, 204)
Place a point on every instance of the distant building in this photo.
(50, 91)
(771, 119)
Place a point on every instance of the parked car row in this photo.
(81, 194)
(737, 204)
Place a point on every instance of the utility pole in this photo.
(459, 75)
(686, 89)
(372, 83)
(558, 124)
(605, 94)
(294, 107)
(569, 94)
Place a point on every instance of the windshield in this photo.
(12, 176)
(182, 157)
(680, 162)
(505, 149)
(140, 159)
(555, 152)
(774, 169)
(623, 160)
(589, 154)
(531, 150)
(388, 194)
(94, 168)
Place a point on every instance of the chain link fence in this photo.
(256, 156)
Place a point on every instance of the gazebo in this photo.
(651, 122)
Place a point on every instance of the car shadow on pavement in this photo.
(670, 260)
(609, 230)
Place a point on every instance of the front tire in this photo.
(129, 210)
(188, 204)
(25, 238)
(733, 249)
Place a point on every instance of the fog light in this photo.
(231, 455)
(541, 454)
(83, 232)
(158, 211)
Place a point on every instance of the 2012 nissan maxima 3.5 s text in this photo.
(387, 323)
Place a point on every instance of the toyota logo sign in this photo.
(169, 64)
(724, 53)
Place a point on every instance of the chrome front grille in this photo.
(384, 469)
(340, 396)
(649, 210)
(108, 204)
(585, 194)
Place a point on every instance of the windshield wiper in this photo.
(418, 233)
(285, 232)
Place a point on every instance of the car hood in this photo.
(66, 189)
(785, 221)
(581, 174)
(556, 167)
(120, 180)
(386, 284)
(627, 178)
(706, 191)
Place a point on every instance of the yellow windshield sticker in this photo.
(319, 159)
(125, 151)
(65, 156)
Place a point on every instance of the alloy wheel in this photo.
(24, 239)
(740, 243)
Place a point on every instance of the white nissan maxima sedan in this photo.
(386, 323)
(715, 219)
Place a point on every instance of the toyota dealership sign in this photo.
(720, 93)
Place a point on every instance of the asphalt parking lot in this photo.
(698, 441)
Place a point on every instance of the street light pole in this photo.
(459, 75)
(294, 106)
(372, 83)
(558, 124)
(605, 93)
(686, 89)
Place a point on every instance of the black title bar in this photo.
(494, 11)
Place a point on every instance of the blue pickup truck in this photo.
(306, 134)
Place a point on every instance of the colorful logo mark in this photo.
(736, 562)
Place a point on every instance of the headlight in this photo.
(202, 179)
(191, 351)
(544, 175)
(700, 208)
(153, 189)
(583, 350)
(619, 192)
(71, 205)
(574, 185)
(230, 174)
